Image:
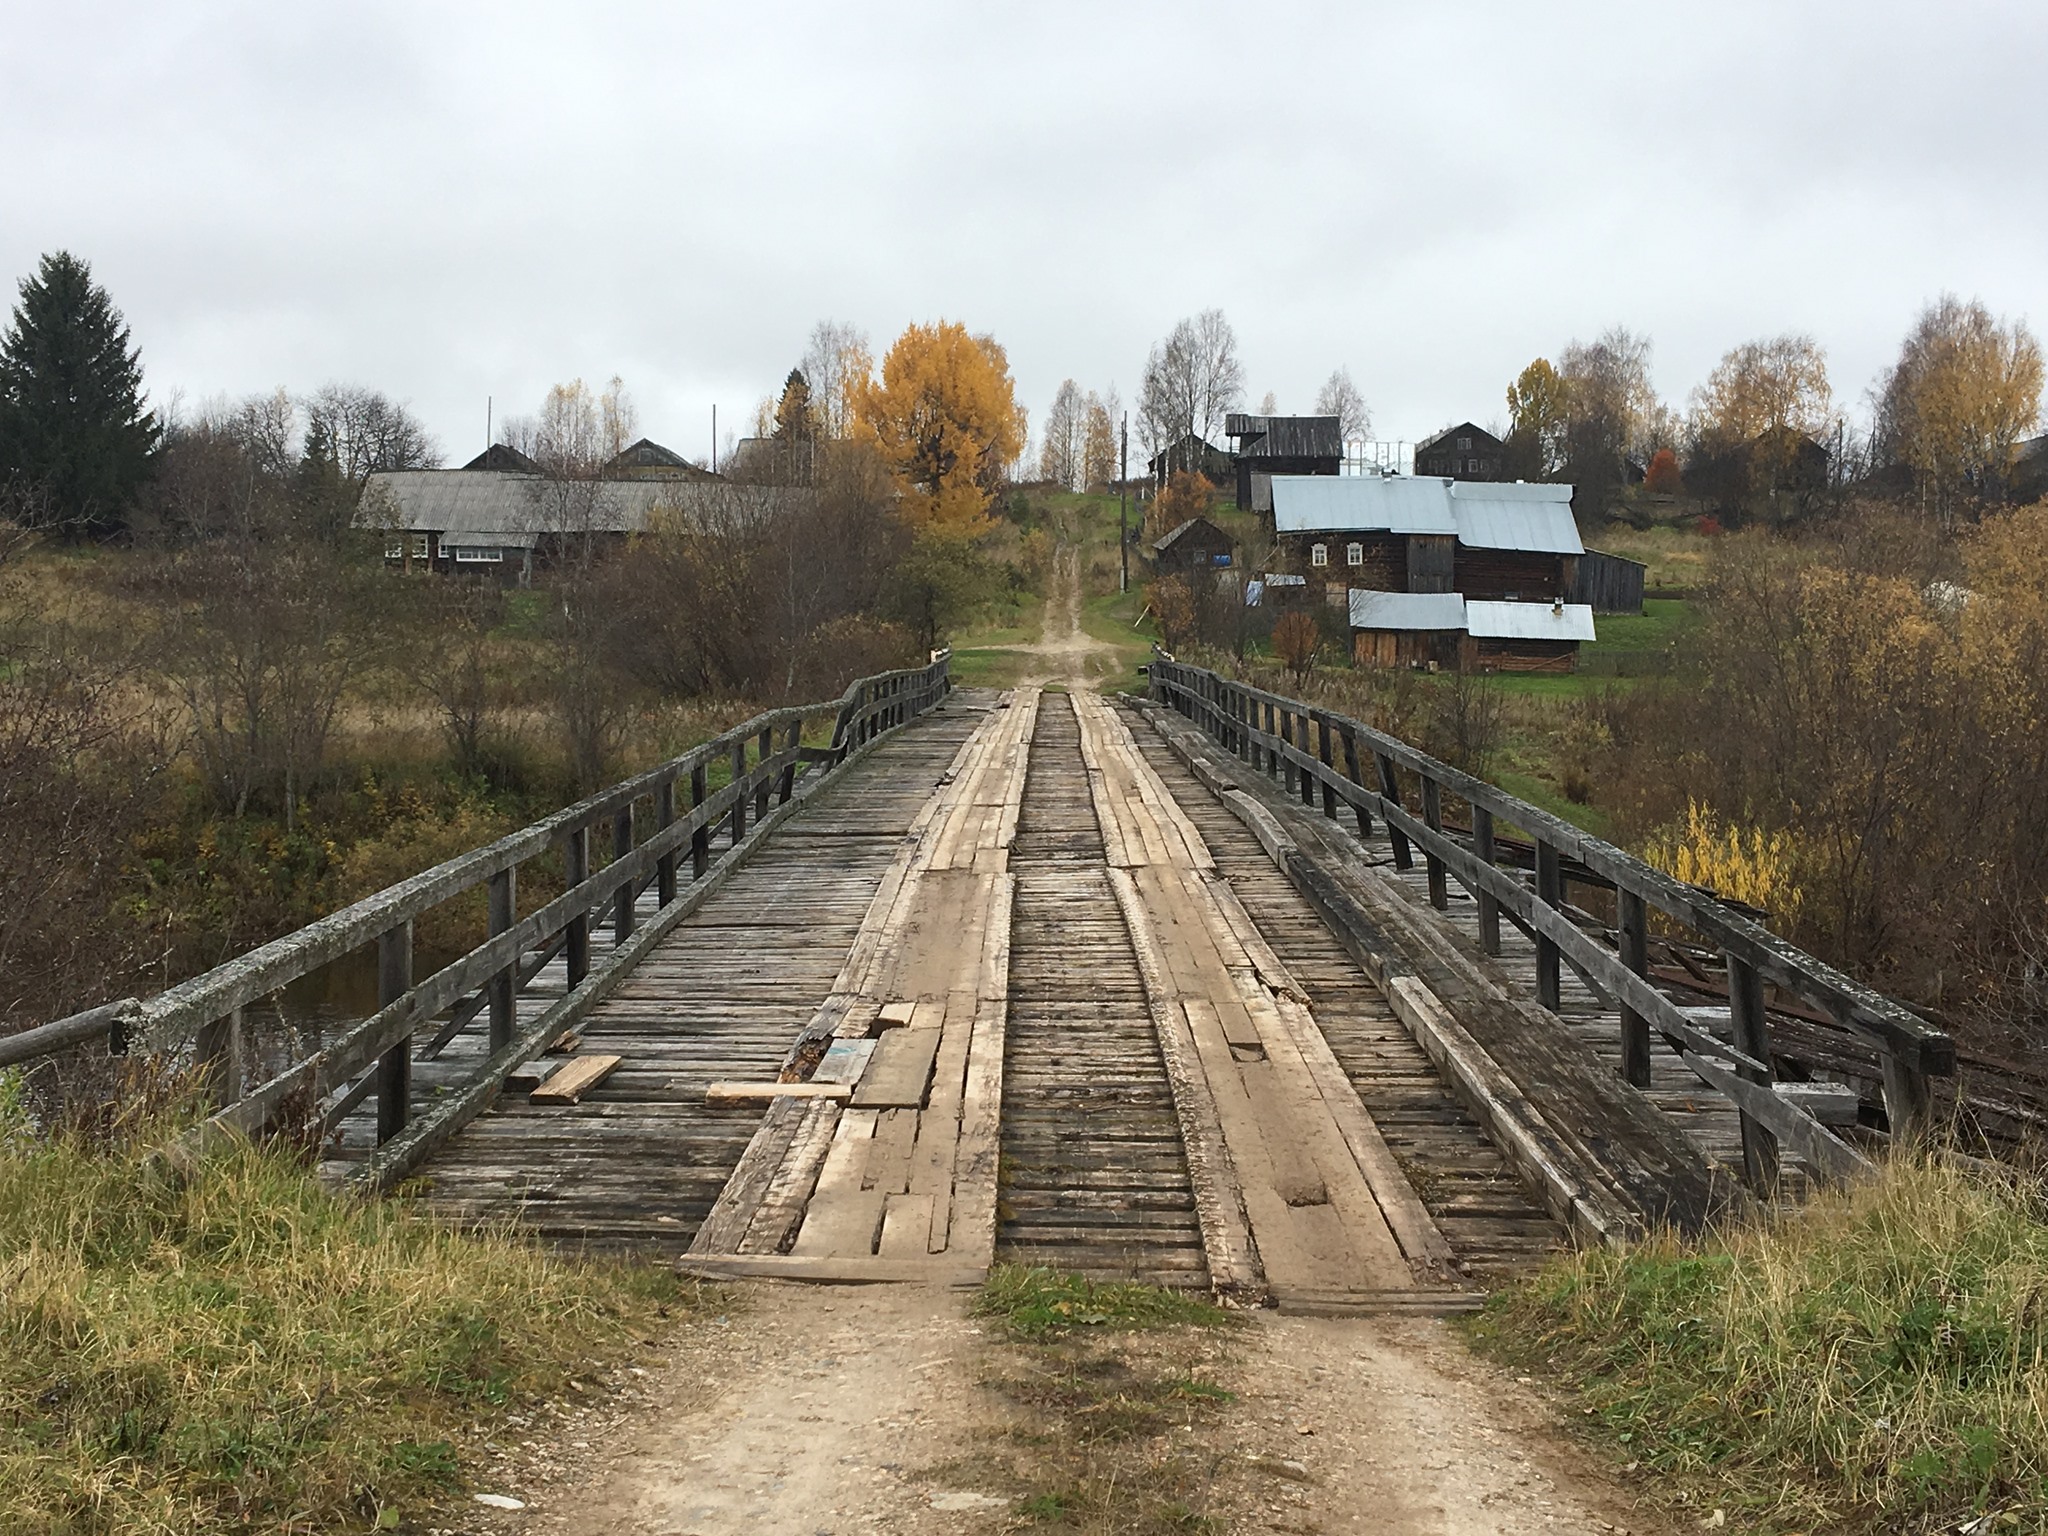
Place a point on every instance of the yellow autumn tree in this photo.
(944, 416)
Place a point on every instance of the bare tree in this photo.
(366, 432)
(1193, 379)
(1062, 458)
(1340, 398)
(1611, 412)
(836, 360)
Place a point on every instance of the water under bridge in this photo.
(1212, 988)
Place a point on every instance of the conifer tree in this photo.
(72, 422)
(796, 419)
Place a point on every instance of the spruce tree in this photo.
(72, 423)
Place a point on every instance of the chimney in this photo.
(1557, 607)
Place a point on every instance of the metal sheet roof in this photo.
(1529, 621)
(1360, 504)
(487, 507)
(1515, 516)
(1407, 610)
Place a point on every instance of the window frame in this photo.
(1319, 555)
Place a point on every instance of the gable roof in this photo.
(1163, 544)
(470, 506)
(647, 456)
(1482, 514)
(505, 459)
(1286, 437)
(1464, 426)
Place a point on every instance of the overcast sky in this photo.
(452, 202)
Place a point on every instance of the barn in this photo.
(1281, 445)
(1609, 583)
(1195, 545)
(1445, 630)
(1404, 629)
(1525, 637)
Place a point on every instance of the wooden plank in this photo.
(899, 1075)
(888, 1167)
(833, 1271)
(740, 1200)
(789, 1191)
(574, 1078)
(906, 1227)
(844, 1061)
(743, 1093)
(976, 1158)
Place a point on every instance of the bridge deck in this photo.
(1108, 935)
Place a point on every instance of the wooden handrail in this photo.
(165, 1023)
(1273, 733)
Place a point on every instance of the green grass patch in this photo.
(1033, 1303)
(241, 1350)
(1876, 1360)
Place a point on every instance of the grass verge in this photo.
(1876, 1360)
(243, 1351)
(1111, 1384)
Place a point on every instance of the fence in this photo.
(685, 823)
(1327, 756)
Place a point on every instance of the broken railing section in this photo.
(1348, 768)
(667, 828)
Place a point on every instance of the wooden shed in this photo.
(1196, 545)
(1609, 583)
(1525, 637)
(1401, 629)
(1283, 445)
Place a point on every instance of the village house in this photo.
(1196, 545)
(500, 518)
(1281, 445)
(1444, 630)
(1192, 454)
(1409, 533)
(1463, 452)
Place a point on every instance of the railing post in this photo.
(1433, 818)
(1632, 917)
(1753, 1038)
(796, 741)
(217, 1050)
(1549, 891)
(1272, 720)
(664, 818)
(622, 847)
(1353, 773)
(1390, 791)
(738, 821)
(700, 840)
(1304, 743)
(763, 789)
(1489, 904)
(1286, 740)
(394, 1067)
(1908, 1097)
(1329, 767)
(576, 870)
(504, 894)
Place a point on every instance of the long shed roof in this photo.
(474, 506)
(1481, 620)
(1482, 514)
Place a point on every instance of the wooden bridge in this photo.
(1212, 988)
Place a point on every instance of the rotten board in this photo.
(575, 1077)
(748, 1093)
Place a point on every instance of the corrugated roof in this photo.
(1360, 504)
(470, 506)
(1495, 522)
(1286, 437)
(1407, 610)
(1529, 621)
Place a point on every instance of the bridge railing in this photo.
(668, 828)
(1341, 762)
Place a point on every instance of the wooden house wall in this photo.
(1432, 562)
(1405, 647)
(1278, 465)
(1528, 575)
(1384, 556)
(1608, 583)
(1520, 655)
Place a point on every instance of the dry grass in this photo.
(244, 1352)
(1874, 1361)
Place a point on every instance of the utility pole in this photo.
(1123, 491)
(714, 439)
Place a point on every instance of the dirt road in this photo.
(811, 1411)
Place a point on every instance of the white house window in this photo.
(394, 549)
(419, 546)
(1475, 466)
(1464, 442)
(471, 555)
(1354, 554)
(1319, 554)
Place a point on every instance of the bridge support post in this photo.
(1753, 1037)
(1390, 791)
(217, 1050)
(1549, 891)
(788, 784)
(1908, 1097)
(665, 866)
(1489, 904)
(700, 840)
(1304, 743)
(576, 870)
(504, 896)
(1433, 818)
(761, 790)
(1634, 922)
(394, 1067)
(622, 846)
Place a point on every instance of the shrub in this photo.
(1753, 867)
